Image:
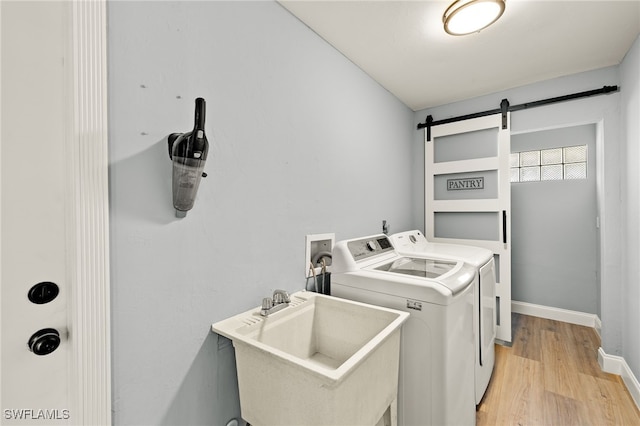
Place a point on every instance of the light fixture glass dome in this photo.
(470, 16)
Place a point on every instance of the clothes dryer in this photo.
(414, 243)
(436, 383)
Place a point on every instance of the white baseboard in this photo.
(598, 327)
(617, 365)
(564, 315)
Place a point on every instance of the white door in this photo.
(33, 214)
(54, 365)
(468, 196)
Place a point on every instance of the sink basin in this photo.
(320, 361)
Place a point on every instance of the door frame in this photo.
(545, 312)
(88, 214)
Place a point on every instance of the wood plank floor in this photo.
(551, 376)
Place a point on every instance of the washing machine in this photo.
(414, 243)
(436, 383)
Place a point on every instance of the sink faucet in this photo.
(278, 301)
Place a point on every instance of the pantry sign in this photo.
(466, 183)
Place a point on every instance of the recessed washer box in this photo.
(316, 246)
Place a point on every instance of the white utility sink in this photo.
(320, 361)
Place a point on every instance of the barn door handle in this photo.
(504, 226)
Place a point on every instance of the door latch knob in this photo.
(44, 341)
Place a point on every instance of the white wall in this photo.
(302, 141)
(630, 108)
(605, 112)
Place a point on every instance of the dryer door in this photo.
(487, 313)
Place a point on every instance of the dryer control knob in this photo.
(371, 245)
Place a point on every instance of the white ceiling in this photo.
(401, 44)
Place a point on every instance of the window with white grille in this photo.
(564, 163)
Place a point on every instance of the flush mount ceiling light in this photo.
(470, 16)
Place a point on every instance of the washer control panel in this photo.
(370, 246)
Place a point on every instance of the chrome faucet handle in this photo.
(267, 303)
(280, 296)
(279, 301)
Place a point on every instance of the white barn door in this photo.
(468, 196)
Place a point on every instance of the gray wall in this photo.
(630, 102)
(302, 141)
(553, 229)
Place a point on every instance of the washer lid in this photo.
(419, 267)
(413, 243)
(454, 275)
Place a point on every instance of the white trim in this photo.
(1, 199)
(89, 323)
(598, 326)
(617, 365)
(558, 314)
